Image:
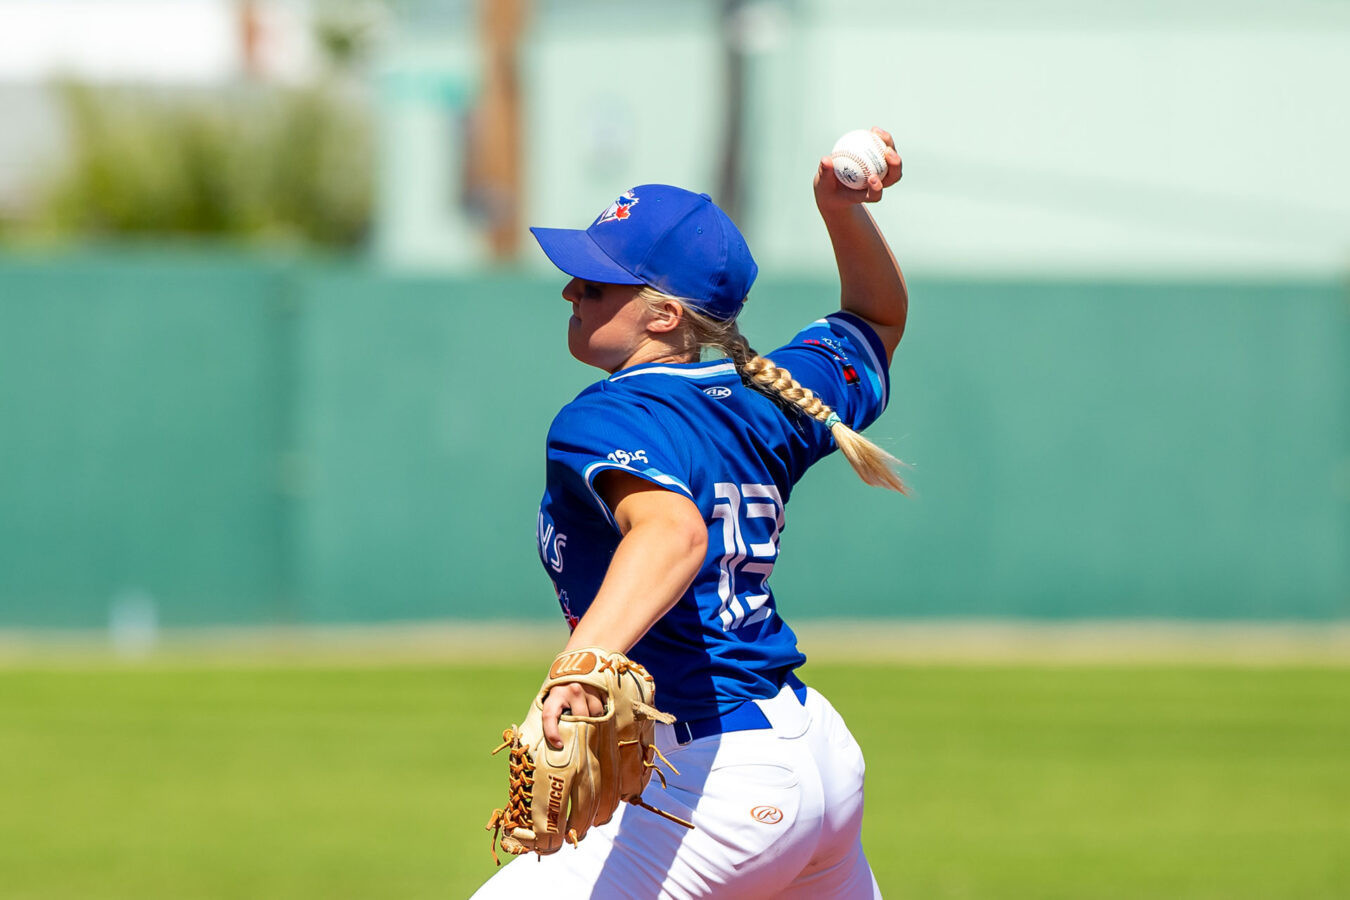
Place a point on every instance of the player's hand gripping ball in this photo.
(556, 795)
(858, 156)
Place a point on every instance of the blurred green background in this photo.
(275, 347)
(277, 357)
(252, 441)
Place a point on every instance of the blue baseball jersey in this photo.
(696, 429)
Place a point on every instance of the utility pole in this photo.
(496, 162)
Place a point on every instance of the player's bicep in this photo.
(633, 501)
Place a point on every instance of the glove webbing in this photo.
(520, 792)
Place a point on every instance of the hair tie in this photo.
(832, 420)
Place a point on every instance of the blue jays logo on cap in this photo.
(619, 209)
(679, 242)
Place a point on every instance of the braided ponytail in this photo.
(873, 464)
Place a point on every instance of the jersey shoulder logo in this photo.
(718, 392)
(836, 349)
(618, 210)
(831, 344)
(626, 458)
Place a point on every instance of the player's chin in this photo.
(577, 345)
(584, 353)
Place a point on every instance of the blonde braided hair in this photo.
(873, 464)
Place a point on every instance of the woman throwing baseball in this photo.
(666, 487)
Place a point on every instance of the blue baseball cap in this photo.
(674, 240)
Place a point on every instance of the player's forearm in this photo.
(652, 567)
(870, 281)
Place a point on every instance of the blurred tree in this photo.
(255, 162)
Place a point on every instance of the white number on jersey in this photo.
(752, 517)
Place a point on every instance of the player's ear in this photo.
(666, 317)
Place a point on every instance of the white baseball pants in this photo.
(777, 813)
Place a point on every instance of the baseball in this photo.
(857, 156)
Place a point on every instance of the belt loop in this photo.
(683, 733)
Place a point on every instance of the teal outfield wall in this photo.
(249, 440)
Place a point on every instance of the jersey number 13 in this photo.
(752, 517)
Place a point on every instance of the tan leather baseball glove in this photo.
(557, 795)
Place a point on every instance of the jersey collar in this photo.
(712, 368)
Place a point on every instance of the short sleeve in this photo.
(602, 431)
(841, 359)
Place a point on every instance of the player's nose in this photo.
(571, 291)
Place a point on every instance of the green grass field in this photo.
(254, 782)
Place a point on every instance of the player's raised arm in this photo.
(870, 281)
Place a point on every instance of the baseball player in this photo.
(666, 491)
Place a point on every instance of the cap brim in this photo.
(574, 252)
